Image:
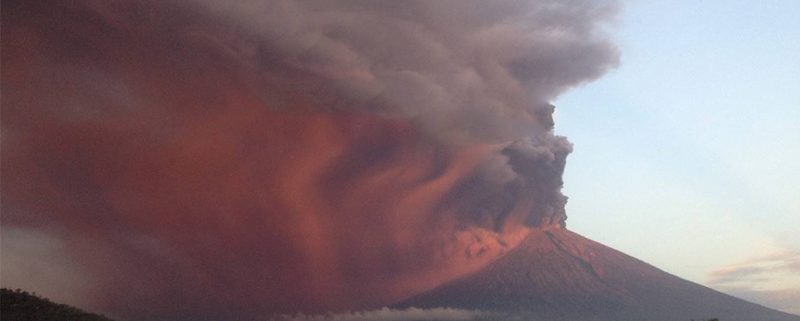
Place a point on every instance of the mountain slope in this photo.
(18, 305)
(556, 274)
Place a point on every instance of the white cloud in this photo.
(387, 314)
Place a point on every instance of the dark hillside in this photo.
(18, 305)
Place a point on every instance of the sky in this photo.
(686, 154)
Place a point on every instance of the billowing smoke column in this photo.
(229, 159)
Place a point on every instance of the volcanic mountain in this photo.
(556, 274)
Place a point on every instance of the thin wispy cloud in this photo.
(757, 270)
(772, 280)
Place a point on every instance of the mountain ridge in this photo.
(19, 305)
(556, 274)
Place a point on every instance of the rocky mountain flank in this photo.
(555, 274)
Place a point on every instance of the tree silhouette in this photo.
(18, 305)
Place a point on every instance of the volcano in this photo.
(233, 160)
(556, 274)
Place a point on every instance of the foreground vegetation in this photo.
(18, 305)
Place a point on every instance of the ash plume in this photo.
(225, 159)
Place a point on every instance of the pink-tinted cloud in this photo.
(210, 160)
(757, 270)
(770, 280)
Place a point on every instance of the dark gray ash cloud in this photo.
(463, 70)
(264, 155)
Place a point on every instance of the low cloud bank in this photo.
(387, 314)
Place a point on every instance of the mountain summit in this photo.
(555, 274)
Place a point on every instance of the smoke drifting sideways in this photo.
(225, 159)
(387, 314)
